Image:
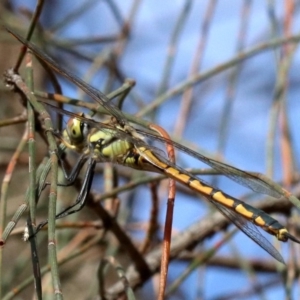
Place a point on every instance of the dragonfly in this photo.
(117, 141)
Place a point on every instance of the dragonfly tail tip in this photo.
(291, 237)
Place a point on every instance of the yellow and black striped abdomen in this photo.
(255, 215)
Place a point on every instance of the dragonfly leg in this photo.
(81, 199)
(86, 186)
(74, 172)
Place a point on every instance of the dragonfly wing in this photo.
(244, 178)
(249, 229)
(247, 179)
(95, 94)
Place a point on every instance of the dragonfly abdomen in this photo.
(255, 215)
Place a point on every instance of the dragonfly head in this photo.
(76, 132)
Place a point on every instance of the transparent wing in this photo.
(244, 178)
(95, 94)
(256, 183)
(249, 229)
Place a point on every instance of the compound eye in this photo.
(74, 129)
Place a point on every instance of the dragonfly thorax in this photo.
(106, 146)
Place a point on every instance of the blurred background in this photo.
(217, 76)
